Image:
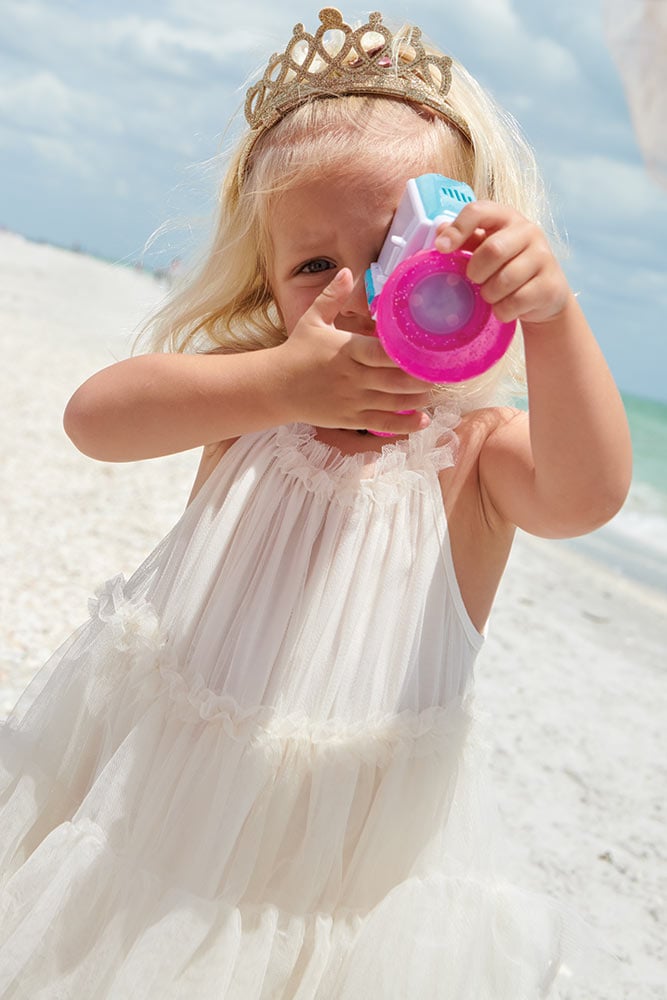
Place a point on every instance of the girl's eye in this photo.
(316, 266)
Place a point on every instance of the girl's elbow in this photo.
(74, 421)
(578, 510)
(81, 424)
(594, 510)
(613, 498)
(604, 496)
(612, 491)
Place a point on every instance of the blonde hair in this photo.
(226, 303)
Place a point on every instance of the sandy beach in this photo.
(572, 675)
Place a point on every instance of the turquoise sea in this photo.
(635, 542)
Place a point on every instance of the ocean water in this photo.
(634, 543)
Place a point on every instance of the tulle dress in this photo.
(255, 772)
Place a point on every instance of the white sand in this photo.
(573, 673)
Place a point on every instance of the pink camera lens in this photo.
(434, 322)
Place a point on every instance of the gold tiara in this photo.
(339, 60)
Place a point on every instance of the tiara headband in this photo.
(339, 60)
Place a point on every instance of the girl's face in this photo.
(321, 226)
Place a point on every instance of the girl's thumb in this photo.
(329, 301)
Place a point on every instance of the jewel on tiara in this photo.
(339, 60)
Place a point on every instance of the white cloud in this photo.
(496, 38)
(62, 155)
(113, 87)
(552, 60)
(497, 17)
(616, 191)
(46, 103)
(171, 49)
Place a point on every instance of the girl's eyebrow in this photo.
(303, 241)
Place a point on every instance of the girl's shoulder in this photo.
(478, 429)
(473, 431)
(484, 436)
(491, 437)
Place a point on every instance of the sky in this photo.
(114, 115)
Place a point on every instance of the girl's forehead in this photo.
(376, 149)
(340, 190)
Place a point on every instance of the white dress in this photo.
(254, 774)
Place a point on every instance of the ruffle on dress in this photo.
(400, 466)
(431, 937)
(134, 631)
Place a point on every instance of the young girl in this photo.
(255, 772)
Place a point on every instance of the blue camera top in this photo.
(440, 196)
(428, 200)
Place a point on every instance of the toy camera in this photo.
(431, 320)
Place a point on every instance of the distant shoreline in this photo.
(160, 272)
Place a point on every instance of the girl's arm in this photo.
(158, 404)
(565, 468)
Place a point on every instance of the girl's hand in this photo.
(335, 378)
(511, 261)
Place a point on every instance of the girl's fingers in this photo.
(368, 351)
(531, 303)
(508, 279)
(478, 215)
(395, 423)
(361, 380)
(395, 402)
(494, 234)
(516, 244)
